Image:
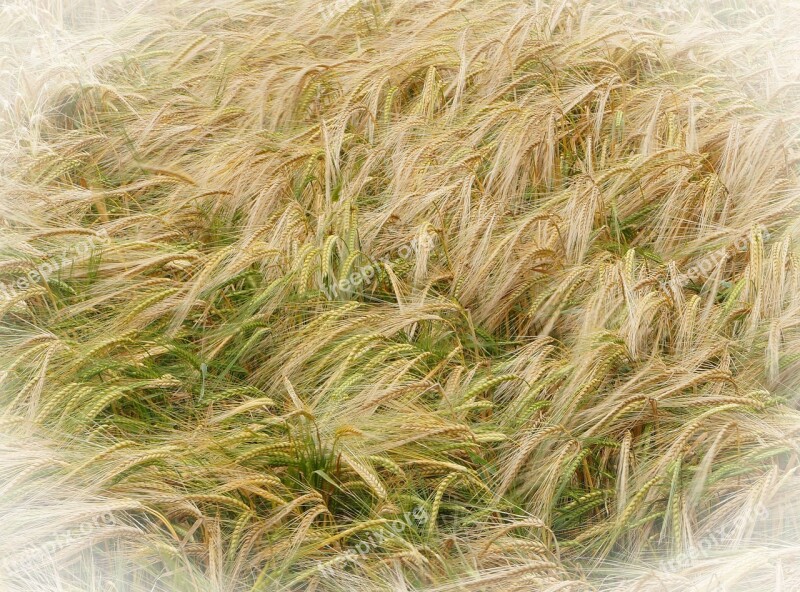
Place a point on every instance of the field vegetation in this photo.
(399, 295)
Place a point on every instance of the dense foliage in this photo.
(384, 295)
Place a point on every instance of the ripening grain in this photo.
(399, 295)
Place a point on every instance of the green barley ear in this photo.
(56, 399)
(387, 105)
(344, 271)
(569, 471)
(437, 500)
(675, 505)
(139, 462)
(487, 384)
(147, 303)
(113, 394)
(352, 232)
(310, 263)
(636, 500)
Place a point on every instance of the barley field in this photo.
(399, 295)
